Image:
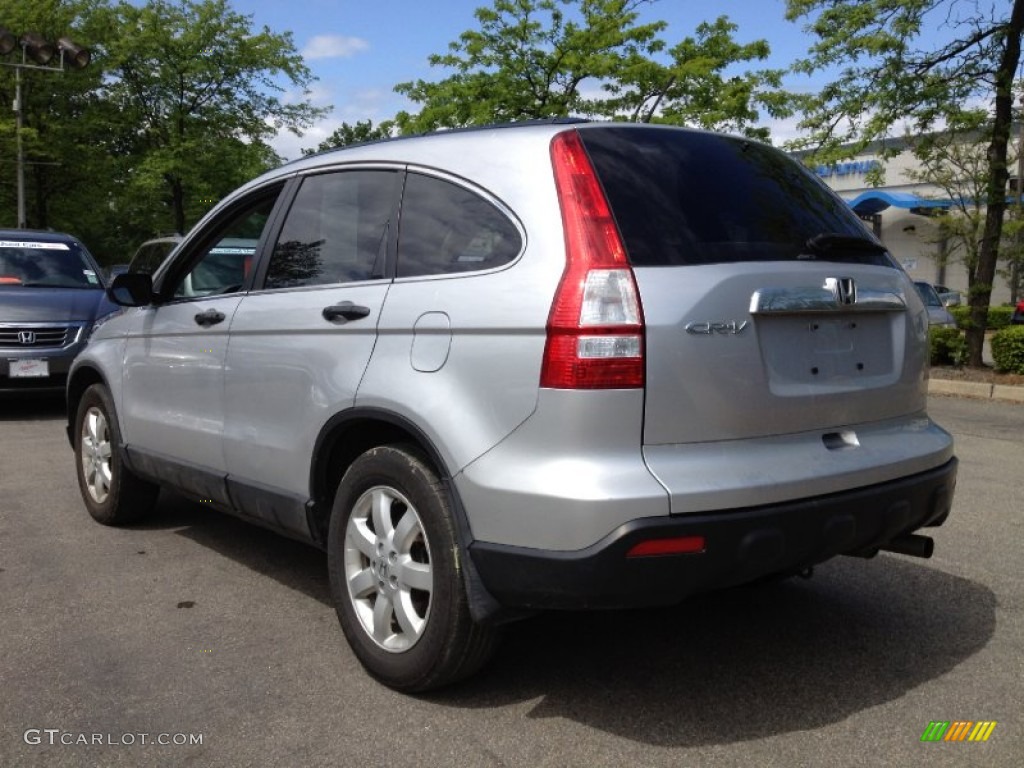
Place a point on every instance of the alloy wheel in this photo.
(96, 454)
(388, 568)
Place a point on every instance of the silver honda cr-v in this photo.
(493, 371)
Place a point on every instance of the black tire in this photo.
(409, 638)
(112, 493)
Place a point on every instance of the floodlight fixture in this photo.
(36, 54)
(38, 48)
(8, 41)
(73, 54)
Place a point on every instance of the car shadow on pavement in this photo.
(745, 663)
(32, 408)
(724, 667)
(292, 563)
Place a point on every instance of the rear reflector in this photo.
(680, 545)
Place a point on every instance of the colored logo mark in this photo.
(958, 730)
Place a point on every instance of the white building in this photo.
(898, 211)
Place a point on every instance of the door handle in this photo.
(210, 317)
(345, 311)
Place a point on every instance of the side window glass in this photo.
(227, 253)
(446, 228)
(336, 230)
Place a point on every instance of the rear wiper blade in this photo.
(831, 242)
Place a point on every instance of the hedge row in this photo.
(1008, 349)
(948, 346)
(998, 317)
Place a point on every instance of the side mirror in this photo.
(131, 289)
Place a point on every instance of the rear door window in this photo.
(702, 198)
(446, 229)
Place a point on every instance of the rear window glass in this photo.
(700, 198)
(46, 264)
(446, 229)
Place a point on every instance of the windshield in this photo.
(46, 264)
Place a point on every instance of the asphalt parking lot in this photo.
(195, 639)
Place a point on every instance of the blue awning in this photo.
(877, 200)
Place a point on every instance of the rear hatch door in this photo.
(769, 308)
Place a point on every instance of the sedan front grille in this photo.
(14, 337)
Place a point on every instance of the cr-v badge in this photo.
(730, 328)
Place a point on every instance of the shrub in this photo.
(1008, 349)
(998, 317)
(947, 346)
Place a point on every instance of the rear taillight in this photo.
(595, 331)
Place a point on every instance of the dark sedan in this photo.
(51, 294)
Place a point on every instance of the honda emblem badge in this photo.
(843, 289)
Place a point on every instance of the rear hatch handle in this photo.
(838, 294)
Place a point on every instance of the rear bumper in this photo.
(741, 545)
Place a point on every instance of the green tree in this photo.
(200, 92)
(59, 149)
(345, 135)
(699, 88)
(955, 161)
(888, 77)
(528, 60)
(535, 59)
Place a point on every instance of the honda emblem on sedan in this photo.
(26, 337)
(843, 289)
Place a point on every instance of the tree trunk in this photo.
(981, 291)
(178, 201)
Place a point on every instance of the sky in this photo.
(359, 51)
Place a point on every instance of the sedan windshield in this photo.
(46, 264)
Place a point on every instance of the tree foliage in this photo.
(199, 82)
(534, 59)
(174, 111)
(889, 79)
(699, 87)
(59, 149)
(346, 135)
(528, 60)
(956, 162)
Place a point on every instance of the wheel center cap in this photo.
(381, 565)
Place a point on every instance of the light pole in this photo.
(37, 49)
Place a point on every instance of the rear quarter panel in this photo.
(460, 355)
